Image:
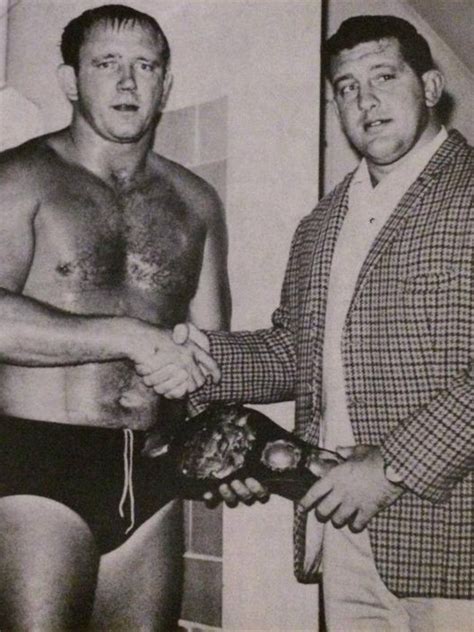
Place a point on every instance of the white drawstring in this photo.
(128, 478)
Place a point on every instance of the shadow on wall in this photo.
(445, 108)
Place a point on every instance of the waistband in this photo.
(64, 427)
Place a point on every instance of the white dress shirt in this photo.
(369, 209)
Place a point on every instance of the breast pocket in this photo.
(432, 281)
(437, 301)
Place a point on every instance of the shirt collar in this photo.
(409, 170)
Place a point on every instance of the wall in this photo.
(453, 22)
(339, 158)
(14, 105)
(244, 112)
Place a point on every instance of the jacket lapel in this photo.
(405, 207)
(324, 235)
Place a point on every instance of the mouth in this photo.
(376, 124)
(125, 107)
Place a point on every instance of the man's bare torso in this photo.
(130, 248)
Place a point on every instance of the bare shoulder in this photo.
(23, 180)
(198, 194)
(22, 169)
(24, 155)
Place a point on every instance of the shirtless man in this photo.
(101, 241)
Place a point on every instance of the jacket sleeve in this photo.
(434, 448)
(258, 366)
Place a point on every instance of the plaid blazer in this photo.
(408, 360)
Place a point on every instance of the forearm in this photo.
(434, 449)
(33, 333)
(257, 367)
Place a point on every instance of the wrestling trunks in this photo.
(97, 472)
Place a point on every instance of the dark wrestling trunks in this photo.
(97, 472)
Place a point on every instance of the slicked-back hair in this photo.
(117, 15)
(414, 48)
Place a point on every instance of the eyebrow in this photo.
(109, 56)
(342, 78)
(349, 75)
(385, 64)
(105, 57)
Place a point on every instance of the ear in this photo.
(331, 98)
(68, 81)
(167, 85)
(433, 85)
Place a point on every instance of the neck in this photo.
(113, 162)
(378, 171)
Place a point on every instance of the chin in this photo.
(126, 137)
(385, 153)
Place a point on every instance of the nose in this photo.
(127, 78)
(367, 99)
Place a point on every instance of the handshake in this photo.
(178, 363)
(350, 488)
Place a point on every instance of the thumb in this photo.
(197, 336)
(345, 451)
(181, 334)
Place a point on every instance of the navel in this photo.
(64, 269)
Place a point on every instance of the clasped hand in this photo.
(350, 493)
(178, 366)
(353, 492)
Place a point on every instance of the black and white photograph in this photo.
(236, 316)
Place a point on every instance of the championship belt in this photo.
(227, 442)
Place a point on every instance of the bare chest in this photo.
(146, 238)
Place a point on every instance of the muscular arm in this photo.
(34, 333)
(210, 307)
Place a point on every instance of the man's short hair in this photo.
(368, 28)
(116, 15)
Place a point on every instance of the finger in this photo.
(143, 369)
(196, 374)
(320, 468)
(327, 507)
(168, 386)
(208, 364)
(359, 522)
(211, 500)
(181, 334)
(179, 392)
(198, 336)
(314, 494)
(342, 516)
(242, 491)
(228, 496)
(346, 451)
(156, 362)
(257, 489)
(170, 376)
(329, 456)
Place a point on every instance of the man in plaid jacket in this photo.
(373, 339)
